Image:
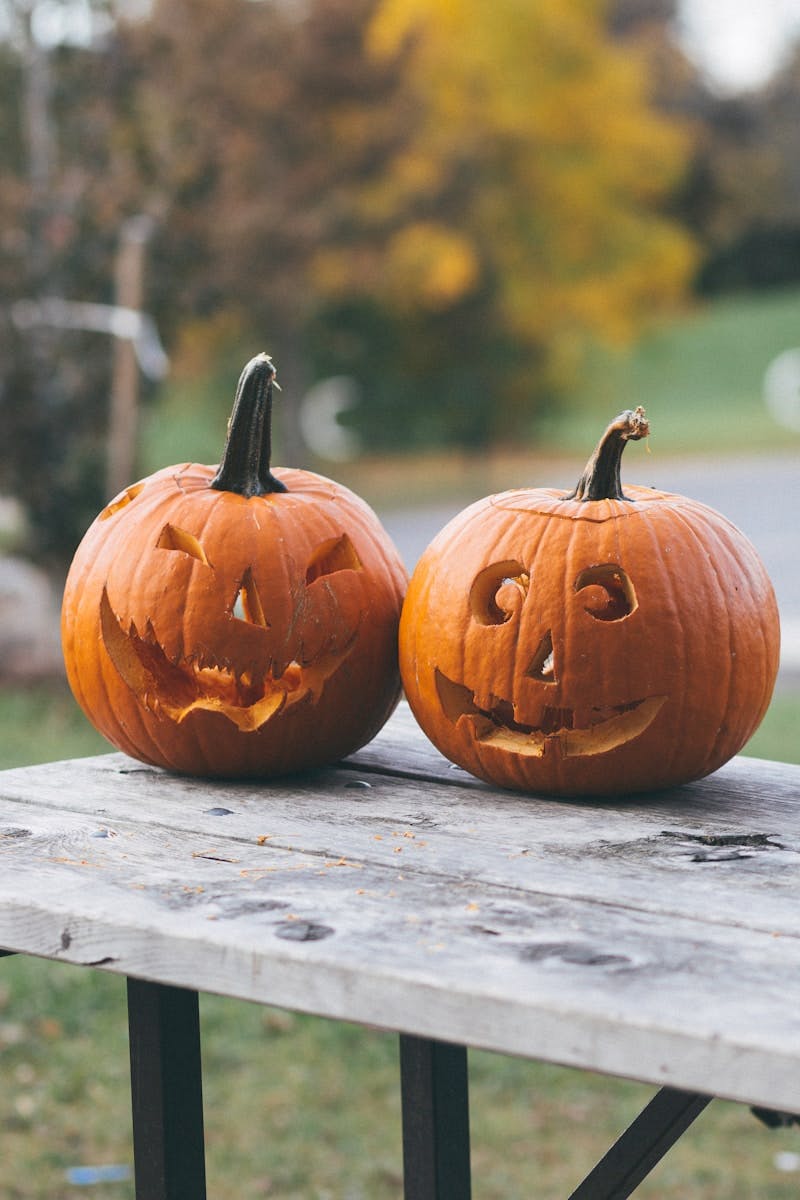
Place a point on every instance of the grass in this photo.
(700, 379)
(777, 735)
(42, 723)
(305, 1109)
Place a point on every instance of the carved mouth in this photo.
(194, 683)
(607, 729)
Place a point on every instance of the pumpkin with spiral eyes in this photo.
(233, 621)
(596, 643)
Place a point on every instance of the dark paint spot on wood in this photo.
(303, 931)
(572, 952)
(242, 908)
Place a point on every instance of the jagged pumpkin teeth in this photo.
(601, 642)
(235, 621)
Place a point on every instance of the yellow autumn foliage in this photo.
(567, 160)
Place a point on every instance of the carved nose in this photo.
(542, 666)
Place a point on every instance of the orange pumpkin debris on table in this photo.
(235, 621)
(596, 643)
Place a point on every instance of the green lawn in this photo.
(305, 1109)
(700, 380)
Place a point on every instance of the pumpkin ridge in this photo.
(723, 595)
(668, 575)
(744, 579)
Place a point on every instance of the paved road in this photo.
(759, 494)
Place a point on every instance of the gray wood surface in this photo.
(656, 938)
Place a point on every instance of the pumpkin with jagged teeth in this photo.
(235, 621)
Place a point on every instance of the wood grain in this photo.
(656, 938)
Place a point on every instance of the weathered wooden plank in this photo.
(677, 1001)
(656, 938)
(715, 847)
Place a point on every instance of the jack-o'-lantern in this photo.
(233, 621)
(596, 643)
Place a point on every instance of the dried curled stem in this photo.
(601, 476)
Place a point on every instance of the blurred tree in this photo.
(479, 213)
(328, 180)
(259, 122)
(753, 162)
(557, 167)
(60, 210)
(740, 194)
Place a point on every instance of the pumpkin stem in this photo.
(601, 478)
(245, 464)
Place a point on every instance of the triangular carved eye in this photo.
(542, 665)
(335, 554)
(172, 537)
(247, 606)
(122, 501)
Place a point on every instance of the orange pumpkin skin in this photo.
(589, 647)
(223, 635)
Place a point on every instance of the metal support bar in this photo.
(642, 1146)
(166, 1092)
(435, 1107)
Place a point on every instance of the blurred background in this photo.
(468, 233)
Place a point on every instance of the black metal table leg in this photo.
(642, 1146)
(166, 1092)
(435, 1105)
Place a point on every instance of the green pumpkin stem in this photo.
(601, 477)
(245, 464)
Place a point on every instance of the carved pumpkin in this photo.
(235, 622)
(589, 644)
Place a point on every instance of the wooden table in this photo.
(656, 938)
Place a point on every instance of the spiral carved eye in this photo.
(611, 596)
(497, 592)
